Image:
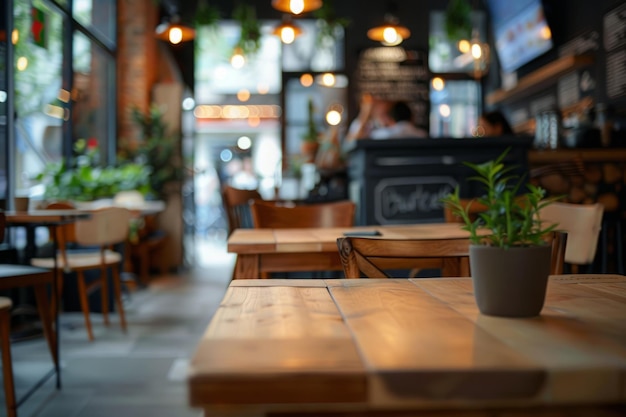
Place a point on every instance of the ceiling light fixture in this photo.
(174, 31)
(296, 6)
(287, 31)
(390, 33)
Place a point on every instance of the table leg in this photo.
(55, 313)
(247, 266)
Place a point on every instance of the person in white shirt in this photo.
(402, 127)
(373, 114)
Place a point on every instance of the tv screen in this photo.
(521, 31)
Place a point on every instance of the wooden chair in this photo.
(7, 366)
(236, 204)
(278, 216)
(148, 241)
(474, 208)
(106, 227)
(372, 256)
(16, 276)
(582, 223)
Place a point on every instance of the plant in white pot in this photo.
(509, 257)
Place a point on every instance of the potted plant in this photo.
(509, 258)
(310, 143)
(83, 179)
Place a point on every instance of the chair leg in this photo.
(104, 294)
(55, 303)
(84, 303)
(619, 248)
(7, 366)
(117, 289)
(41, 297)
(144, 264)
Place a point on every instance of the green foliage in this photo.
(83, 180)
(312, 133)
(206, 15)
(511, 219)
(250, 39)
(156, 150)
(458, 20)
(328, 23)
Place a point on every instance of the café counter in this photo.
(401, 181)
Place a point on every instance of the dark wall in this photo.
(569, 20)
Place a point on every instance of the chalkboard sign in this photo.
(396, 74)
(411, 199)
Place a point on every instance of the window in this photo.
(40, 103)
(94, 74)
(455, 94)
(97, 15)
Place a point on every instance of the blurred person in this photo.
(493, 123)
(373, 114)
(402, 126)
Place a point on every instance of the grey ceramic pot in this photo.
(510, 282)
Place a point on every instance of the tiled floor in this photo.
(141, 373)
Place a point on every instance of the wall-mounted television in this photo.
(521, 31)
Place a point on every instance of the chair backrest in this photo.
(473, 207)
(272, 215)
(558, 241)
(106, 226)
(236, 203)
(582, 222)
(65, 233)
(371, 256)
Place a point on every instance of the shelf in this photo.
(538, 157)
(540, 79)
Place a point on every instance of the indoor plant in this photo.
(310, 140)
(509, 259)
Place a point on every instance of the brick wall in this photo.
(138, 60)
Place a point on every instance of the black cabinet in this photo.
(401, 181)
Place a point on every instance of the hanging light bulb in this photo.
(476, 51)
(480, 55)
(464, 46)
(390, 33)
(296, 6)
(237, 60)
(174, 31)
(175, 35)
(287, 31)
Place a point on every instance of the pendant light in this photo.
(390, 33)
(296, 6)
(287, 30)
(174, 31)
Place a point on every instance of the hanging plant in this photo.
(250, 40)
(206, 15)
(458, 21)
(328, 23)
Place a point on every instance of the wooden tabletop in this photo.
(325, 238)
(346, 345)
(45, 216)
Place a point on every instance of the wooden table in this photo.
(52, 219)
(363, 346)
(314, 249)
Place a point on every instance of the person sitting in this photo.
(373, 114)
(493, 124)
(402, 126)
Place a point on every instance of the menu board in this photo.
(396, 74)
